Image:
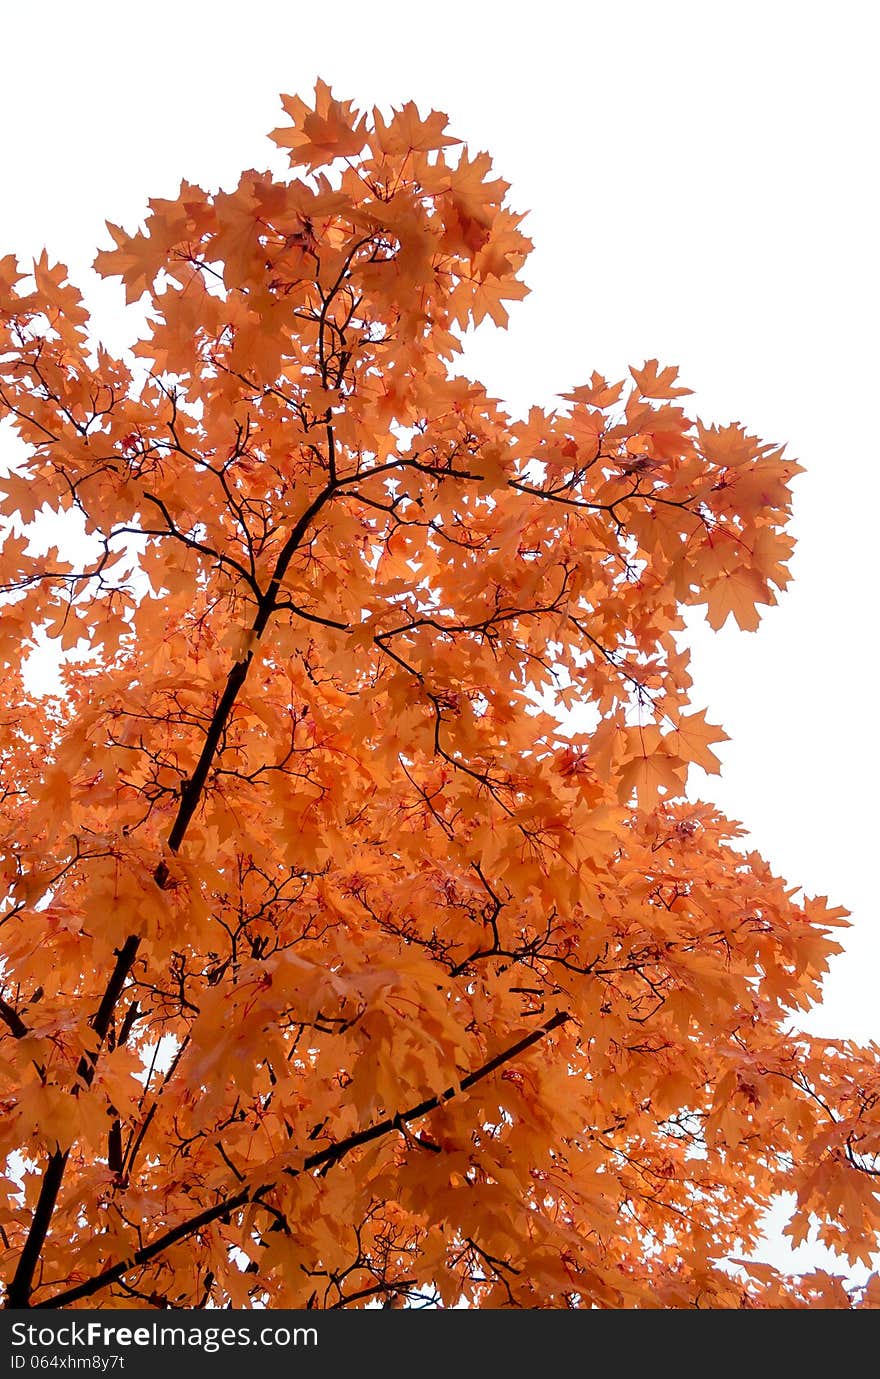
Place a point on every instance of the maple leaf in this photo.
(738, 593)
(9, 276)
(597, 393)
(648, 775)
(652, 381)
(135, 260)
(406, 131)
(692, 738)
(321, 133)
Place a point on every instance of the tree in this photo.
(334, 970)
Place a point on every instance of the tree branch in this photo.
(12, 1018)
(323, 1159)
(191, 793)
(19, 1291)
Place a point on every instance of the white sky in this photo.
(702, 180)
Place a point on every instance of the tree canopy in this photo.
(336, 968)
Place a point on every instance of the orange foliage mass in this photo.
(332, 970)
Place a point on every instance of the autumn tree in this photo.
(333, 969)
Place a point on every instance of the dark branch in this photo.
(323, 1160)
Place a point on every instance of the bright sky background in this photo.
(702, 181)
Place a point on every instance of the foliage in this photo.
(333, 969)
